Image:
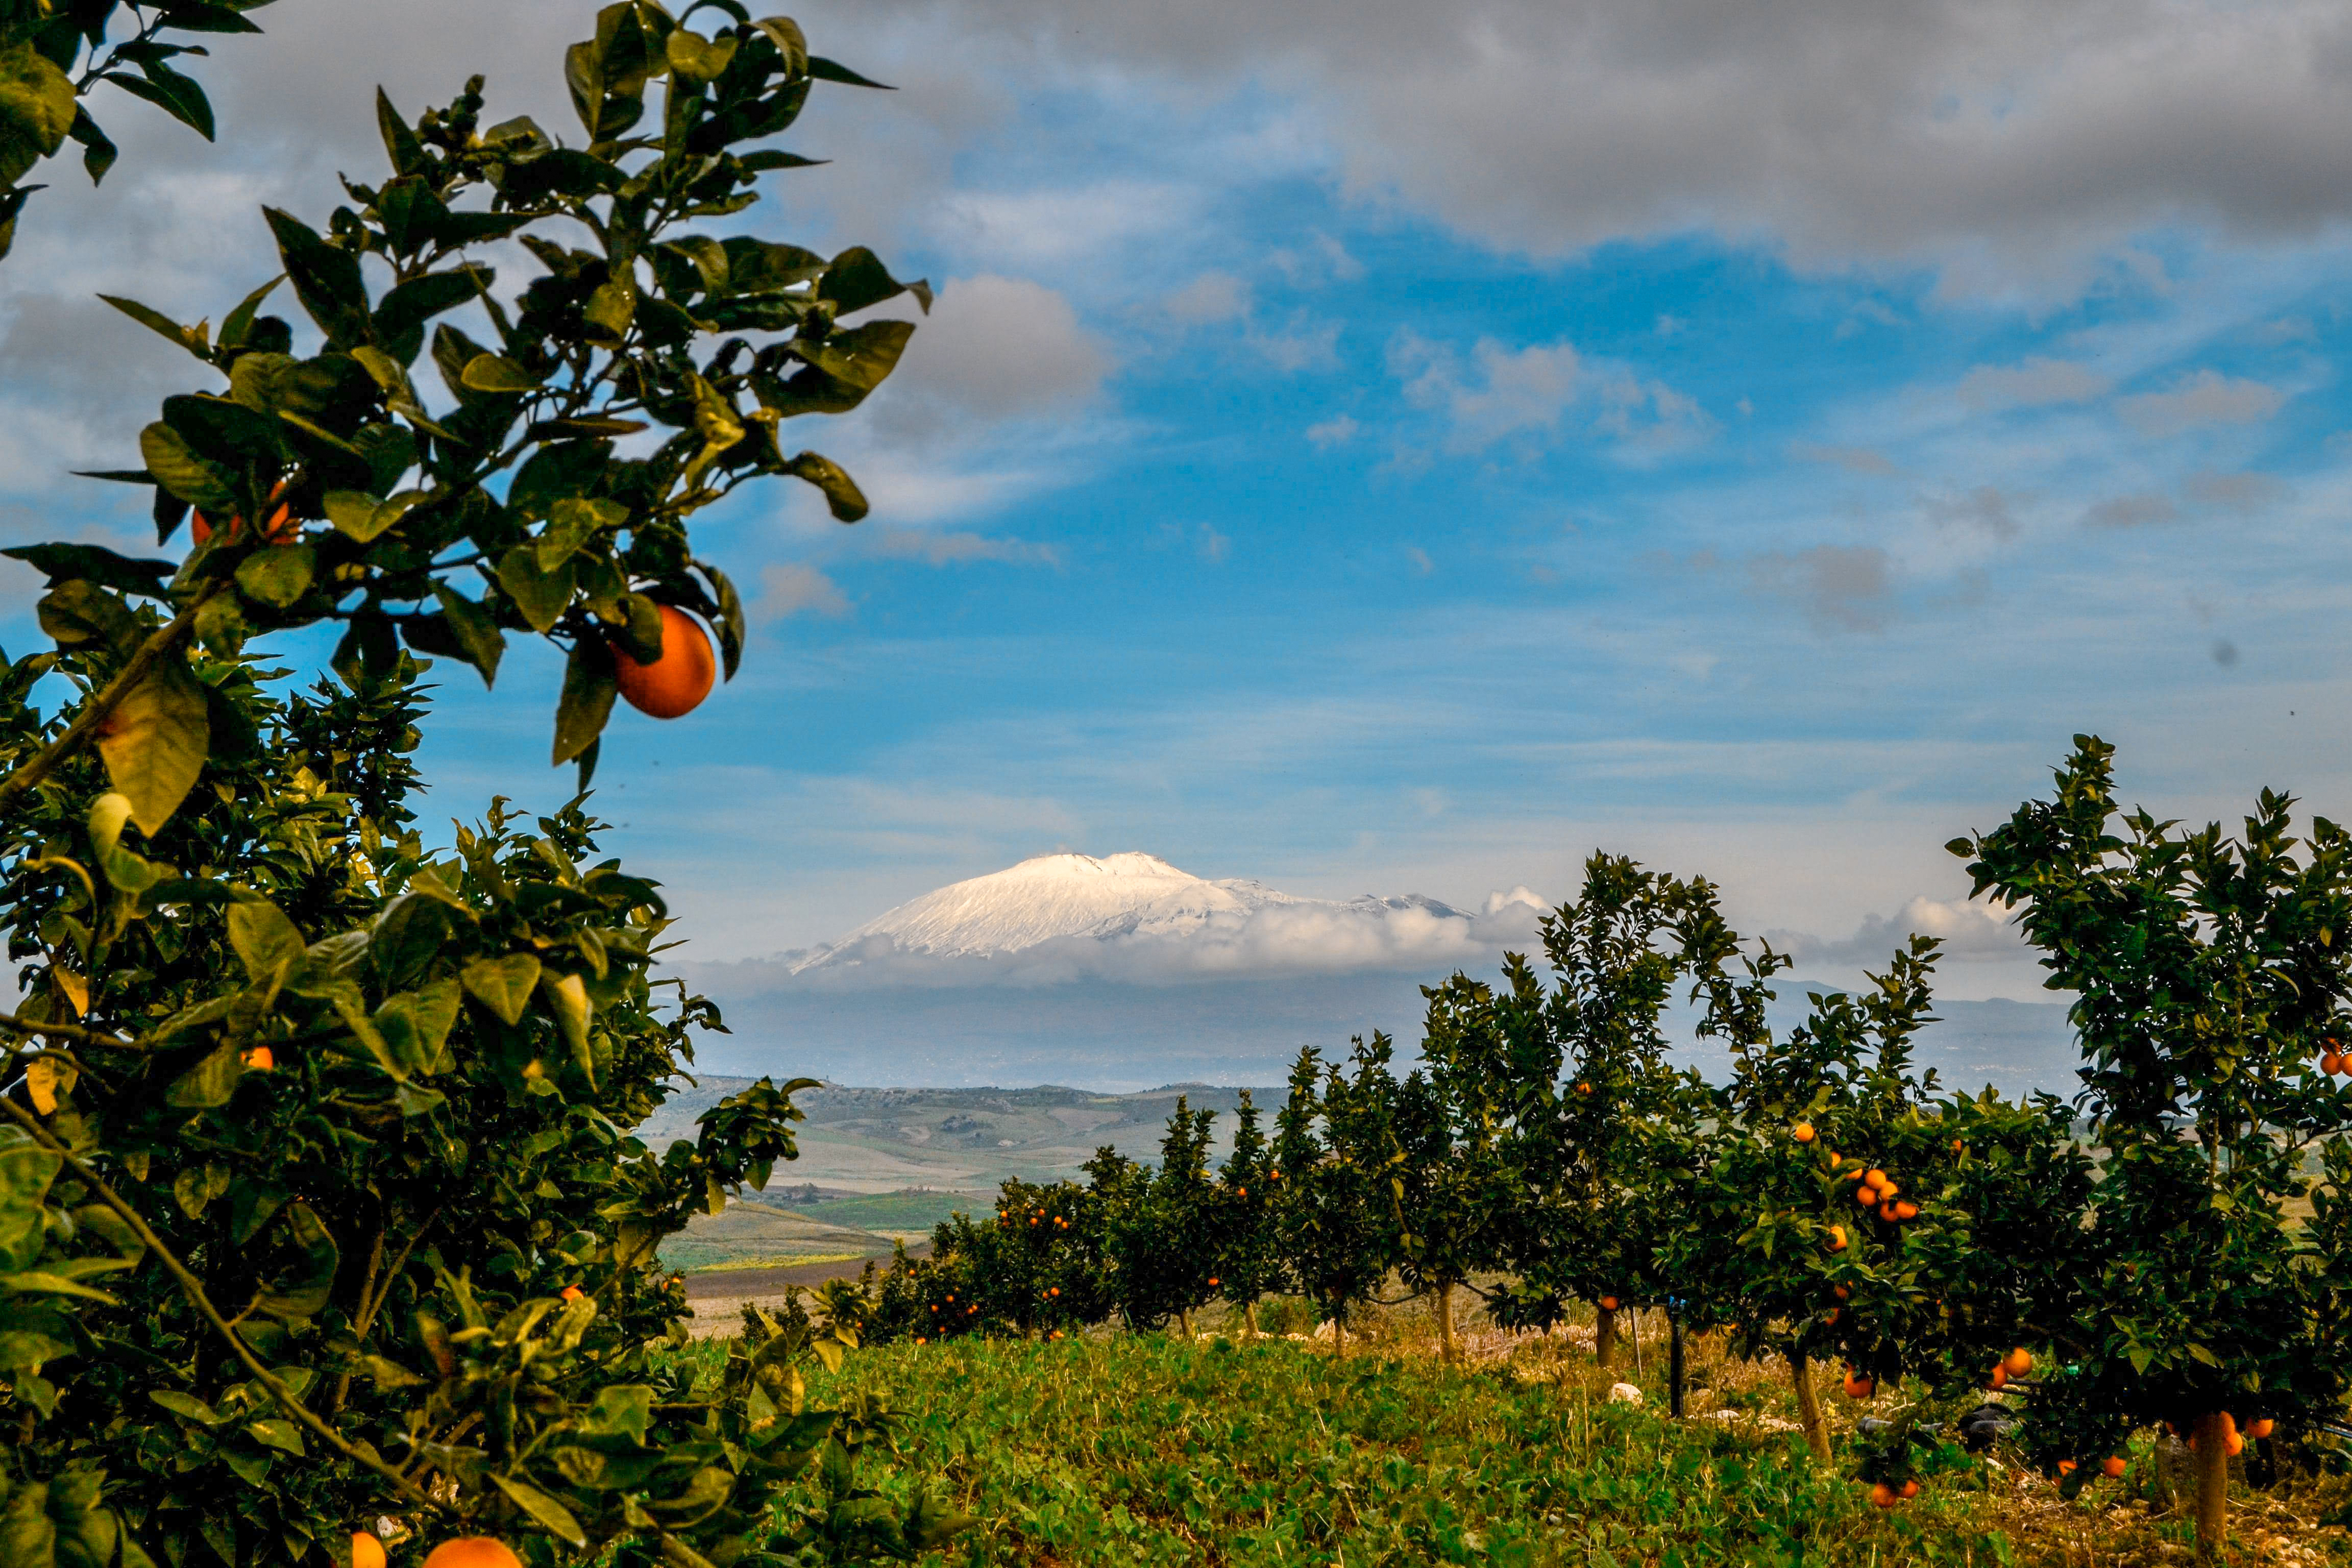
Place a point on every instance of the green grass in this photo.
(898, 1213)
(1132, 1450)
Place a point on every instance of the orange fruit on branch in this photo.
(282, 528)
(1875, 1177)
(1837, 1239)
(571, 1293)
(1803, 1133)
(1841, 1293)
(1886, 1212)
(1883, 1496)
(1906, 1209)
(1858, 1386)
(675, 683)
(2115, 1467)
(2262, 1428)
(2000, 1378)
(1608, 1303)
(473, 1552)
(1910, 1489)
(367, 1552)
(2017, 1363)
(259, 1059)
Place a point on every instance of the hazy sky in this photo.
(1398, 447)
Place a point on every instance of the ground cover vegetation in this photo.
(320, 1236)
(2133, 1265)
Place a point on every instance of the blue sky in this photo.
(1387, 450)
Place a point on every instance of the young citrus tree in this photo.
(1242, 1218)
(314, 1206)
(1159, 1226)
(2211, 984)
(1335, 1161)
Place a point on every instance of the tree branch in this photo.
(192, 1288)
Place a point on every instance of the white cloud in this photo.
(1840, 587)
(1969, 931)
(2131, 511)
(1334, 432)
(1853, 459)
(998, 348)
(2031, 383)
(2206, 398)
(1505, 392)
(2237, 492)
(954, 549)
(1211, 297)
(1985, 508)
(788, 589)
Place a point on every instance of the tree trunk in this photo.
(1184, 1322)
(1673, 1367)
(1446, 1323)
(1604, 1337)
(1249, 1319)
(1809, 1409)
(2213, 1450)
(1339, 1335)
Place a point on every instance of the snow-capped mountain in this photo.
(1078, 911)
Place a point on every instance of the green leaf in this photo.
(477, 632)
(832, 71)
(857, 279)
(572, 523)
(697, 59)
(181, 470)
(266, 942)
(278, 576)
(176, 95)
(187, 1405)
(502, 985)
(589, 689)
(79, 612)
(540, 597)
(400, 319)
(842, 495)
(62, 562)
(155, 742)
(729, 620)
(567, 998)
(277, 1433)
(36, 109)
(26, 1172)
(98, 152)
(304, 1292)
(326, 279)
(210, 1083)
(550, 1514)
(238, 327)
(161, 325)
(360, 518)
(497, 374)
(400, 142)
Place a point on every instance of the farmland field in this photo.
(1144, 1449)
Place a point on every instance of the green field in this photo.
(909, 1214)
(1121, 1449)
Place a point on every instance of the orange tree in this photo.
(1033, 1267)
(2211, 984)
(1159, 1225)
(1843, 1213)
(1242, 1218)
(313, 1205)
(1335, 1161)
(1567, 1111)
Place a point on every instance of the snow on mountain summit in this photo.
(1082, 911)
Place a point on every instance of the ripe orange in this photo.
(367, 1552)
(1958, 1146)
(473, 1552)
(1837, 1239)
(1832, 1315)
(1803, 1133)
(1584, 1088)
(2017, 1363)
(1886, 1212)
(1910, 1489)
(1887, 1189)
(1999, 1379)
(2115, 1467)
(1884, 1495)
(2331, 1063)
(570, 1292)
(1866, 1195)
(1858, 1386)
(1243, 1191)
(1906, 1209)
(259, 1059)
(1608, 1303)
(1057, 1290)
(677, 681)
(1213, 1284)
(919, 1339)
(282, 529)
(1875, 1177)
(1841, 1293)
(2065, 1467)
(2262, 1427)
